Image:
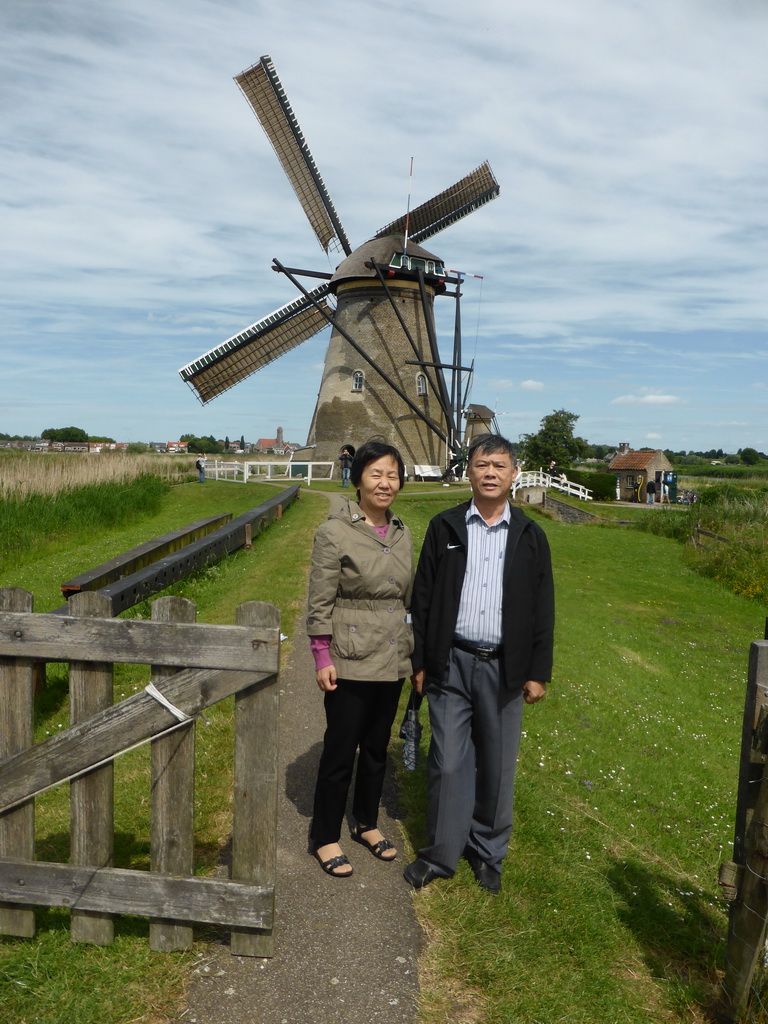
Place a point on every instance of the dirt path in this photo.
(346, 950)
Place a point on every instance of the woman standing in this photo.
(361, 639)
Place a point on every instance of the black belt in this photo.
(483, 651)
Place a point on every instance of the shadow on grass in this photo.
(53, 696)
(680, 935)
(130, 850)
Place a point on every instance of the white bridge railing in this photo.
(242, 472)
(538, 478)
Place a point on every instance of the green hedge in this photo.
(602, 485)
(725, 472)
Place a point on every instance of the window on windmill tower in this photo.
(421, 385)
(357, 380)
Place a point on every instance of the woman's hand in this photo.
(326, 678)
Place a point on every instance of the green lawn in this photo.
(610, 912)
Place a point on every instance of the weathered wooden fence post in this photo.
(173, 793)
(747, 925)
(17, 827)
(254, 826)
(91, 795)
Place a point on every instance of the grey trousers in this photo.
(476, 725)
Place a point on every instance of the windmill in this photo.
(383, 375)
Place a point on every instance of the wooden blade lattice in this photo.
(474, 190)
(263, 90)
(261, 343)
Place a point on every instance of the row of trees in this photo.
(209, 445)
(555, 441)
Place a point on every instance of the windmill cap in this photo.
(376, 250)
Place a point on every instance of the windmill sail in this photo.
(474, 190)
(261, 343)
(263, 90)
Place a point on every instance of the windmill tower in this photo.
(383, 373)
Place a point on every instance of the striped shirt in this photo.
(479, 618)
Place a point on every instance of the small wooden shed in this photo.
(634, 469)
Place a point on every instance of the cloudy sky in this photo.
(624, 266)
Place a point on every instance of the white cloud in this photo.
(646, 399)
(531, 385)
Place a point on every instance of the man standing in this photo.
(345, 459)
(200, 467)
(483, 621)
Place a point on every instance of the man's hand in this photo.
(417, 681)
(533, 691)
(326, 678)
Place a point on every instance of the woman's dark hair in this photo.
(370, 452)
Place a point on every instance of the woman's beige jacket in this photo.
(360, 595)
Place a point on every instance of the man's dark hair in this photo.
(370, 452)
(489, 444)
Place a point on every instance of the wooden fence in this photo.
(246, 472)
(538, 478)
(192, 667)
(744, 880)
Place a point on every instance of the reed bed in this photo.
(738, 516)
(51, 473)
(45, 499)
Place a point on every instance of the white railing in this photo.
(243, 472)
(538, 478)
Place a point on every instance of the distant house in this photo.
(634, 469)
(272, 444)
(265, 444)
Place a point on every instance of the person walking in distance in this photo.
(200, 467)
(483, 621)
(345, 460)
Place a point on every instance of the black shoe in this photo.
(487, 878)
(419, 873)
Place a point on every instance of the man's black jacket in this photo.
(528, 605)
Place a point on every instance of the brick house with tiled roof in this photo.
(633, 471)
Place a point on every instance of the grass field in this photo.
(610, 911)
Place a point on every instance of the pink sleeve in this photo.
(320, 646)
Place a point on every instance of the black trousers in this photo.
(359, 715)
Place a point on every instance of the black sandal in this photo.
(377, 849)
(330, 865)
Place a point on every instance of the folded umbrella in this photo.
(410, 732)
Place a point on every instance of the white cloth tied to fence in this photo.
(153, 691)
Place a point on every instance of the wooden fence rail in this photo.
(192, 667)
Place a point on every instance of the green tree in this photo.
(64, 434)
(554, 440)
(749, 456)
(207, 445)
